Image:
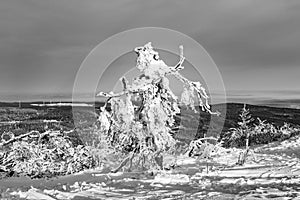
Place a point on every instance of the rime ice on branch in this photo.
(142, 130)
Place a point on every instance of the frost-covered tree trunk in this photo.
(142, 115)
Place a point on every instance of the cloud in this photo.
(257, 35)
(42, 43)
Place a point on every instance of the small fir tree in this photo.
(244, 130)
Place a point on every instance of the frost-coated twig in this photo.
(207, 138)
(179, 66)
(17, 138)
(200, 91)
(114, 95)
(110, 95)
(124, 162)
(40, 135)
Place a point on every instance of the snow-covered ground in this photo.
(264, 176)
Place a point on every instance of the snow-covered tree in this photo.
(244, 130)
(142, 115)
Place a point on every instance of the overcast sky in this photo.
(255, 43)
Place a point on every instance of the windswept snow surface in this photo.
(264, 176)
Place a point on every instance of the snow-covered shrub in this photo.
(260, 132)
(44, 154)
(264, 132)
(141, 131)
(204, 149)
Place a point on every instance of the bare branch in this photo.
(125, 83)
